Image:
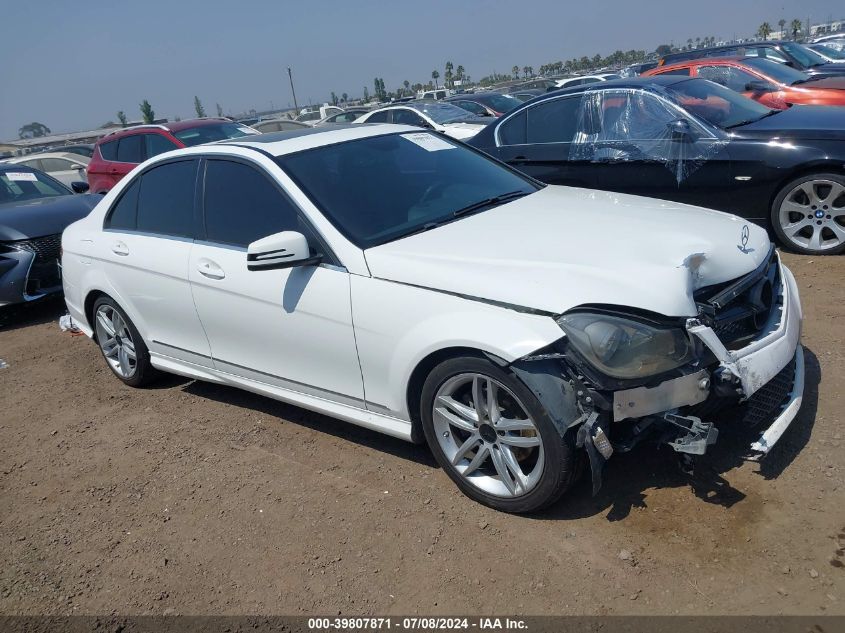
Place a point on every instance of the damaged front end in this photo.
(620, 376)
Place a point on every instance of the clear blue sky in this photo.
(73, 64)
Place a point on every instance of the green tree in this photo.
(782, 25)
(447, 75)
(366, 94)
(121, 116)
(147, 112)
(515, 72)
(345, 97)
(459, 73)
(198, 107)
(334, 98)
(33, 130)
(219, 110)
(407, 85)
(435, 75)
(764, 31)
(663, 49)
(795, 27)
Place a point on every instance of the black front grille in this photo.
(46, 248)
(769, 400)
(738, 310)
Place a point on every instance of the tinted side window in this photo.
(130, 149)
(406, 117)
(553, 121)
(378, 117)
(54, 164)
(109, 150)
(123, 215)
(513, 130)
(157, 144)
(166, 199)
(242, 205)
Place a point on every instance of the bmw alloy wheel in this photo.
(812, 215)
(487, 435)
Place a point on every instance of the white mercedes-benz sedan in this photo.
(399, 280)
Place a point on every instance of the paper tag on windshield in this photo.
(22, 175)
(428, 142)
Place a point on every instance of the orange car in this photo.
(772, 84)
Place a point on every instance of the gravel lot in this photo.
(196, 499)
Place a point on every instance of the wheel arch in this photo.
(421, 372)
(805, 169)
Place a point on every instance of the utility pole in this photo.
(290, 76)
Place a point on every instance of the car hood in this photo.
(833, 82)
(799, 121)
(563, 247)
(43, 216)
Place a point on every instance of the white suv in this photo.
(395, 279)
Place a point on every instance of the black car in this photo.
(692, 141)
(790, 53)
(34, 210)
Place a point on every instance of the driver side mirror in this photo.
(680, 131)
(77, 167)
(758, 85)
(287, 249)
(79, 187)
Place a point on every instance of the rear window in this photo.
(130, 149)
(166, 199)
(109, 150)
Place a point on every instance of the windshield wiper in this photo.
(489, 202)
(769, 113)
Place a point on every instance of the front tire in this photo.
(121, 345)
(493, 438)
(808, 215)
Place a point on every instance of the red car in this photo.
(772, 84)
(117, 153)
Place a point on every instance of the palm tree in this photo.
(435, 75)
(782, 25)
(764, 31)
(447, 76)
(515, 72)
(459, 73)
(795, 27)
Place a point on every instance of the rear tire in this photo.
(506, 454)
(121, 344)
(808, 215)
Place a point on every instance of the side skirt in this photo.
(368, 419)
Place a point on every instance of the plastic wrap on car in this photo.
(629, 124)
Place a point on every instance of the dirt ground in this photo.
(191, 498)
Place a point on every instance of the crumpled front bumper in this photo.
(759, 362)
(768, 373)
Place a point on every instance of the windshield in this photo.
(779, 72)
(804, 55)
(18, 184)
(716, 104)
(500, 103)
(215, 132)
(379, 189)
(827, 51)
(445, 113)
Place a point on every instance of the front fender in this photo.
(398, 326)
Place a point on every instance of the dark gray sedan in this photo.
(34, 210)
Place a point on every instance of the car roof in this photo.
(290, 141)
(625, 82)
(175, 126)
(65, 155)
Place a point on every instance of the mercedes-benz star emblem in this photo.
(744, 246)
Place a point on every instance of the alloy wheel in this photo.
(487, 435)
(116, 342)
(812, 215)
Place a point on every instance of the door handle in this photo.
(210, 269)
(519, 159)
(119, 248)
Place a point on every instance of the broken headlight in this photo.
(626, 349)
